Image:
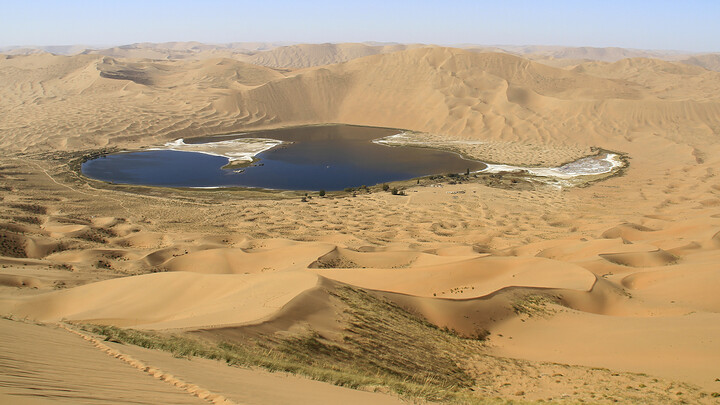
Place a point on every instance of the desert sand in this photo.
(490, 288)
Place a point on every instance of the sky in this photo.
(688, 25)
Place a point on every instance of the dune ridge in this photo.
(455, 93)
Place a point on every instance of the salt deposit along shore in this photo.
(245, 149)
(602, 163)
(235, 150)
(589, 166)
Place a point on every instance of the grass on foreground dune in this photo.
(383, 348)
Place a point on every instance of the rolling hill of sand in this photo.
(275, 55)
(709, 61)
(450, 92)
(598, 293)
(309, 55)
(194, 49)
(184, 50)
(607, 54)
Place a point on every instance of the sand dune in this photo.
(309, 55)
(468, 279)
(628, 344)
(182, 50)
(621, 273)
(455, 93)
(606, 54)
(180, 300)
(119, 373)
(237, 261)
(284, 55)
(58, 377)
(709, 61)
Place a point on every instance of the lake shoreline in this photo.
(242, 152)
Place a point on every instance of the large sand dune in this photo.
(170, 300)
(621, 273)
(455, 93)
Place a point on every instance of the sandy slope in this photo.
(50, 365)
(68, 369)
(284, 55)
(472, 278)
(177, 299)
(607, 54)
(183, 50)
(309, 55)
(251, 386)
(652, 345)
(709, 61)
(455, 93)
(621, 274)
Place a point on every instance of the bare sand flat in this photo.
(513, 287)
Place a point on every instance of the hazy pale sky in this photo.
(690, 25)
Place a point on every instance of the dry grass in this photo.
(383, 348)
(534, 305)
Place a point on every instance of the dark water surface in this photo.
(318, 158)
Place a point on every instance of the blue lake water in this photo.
(313, 158)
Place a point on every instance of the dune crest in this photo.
(177, 299)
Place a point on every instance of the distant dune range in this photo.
(566, 286)
(92, 101)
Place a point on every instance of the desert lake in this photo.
(331, 157)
